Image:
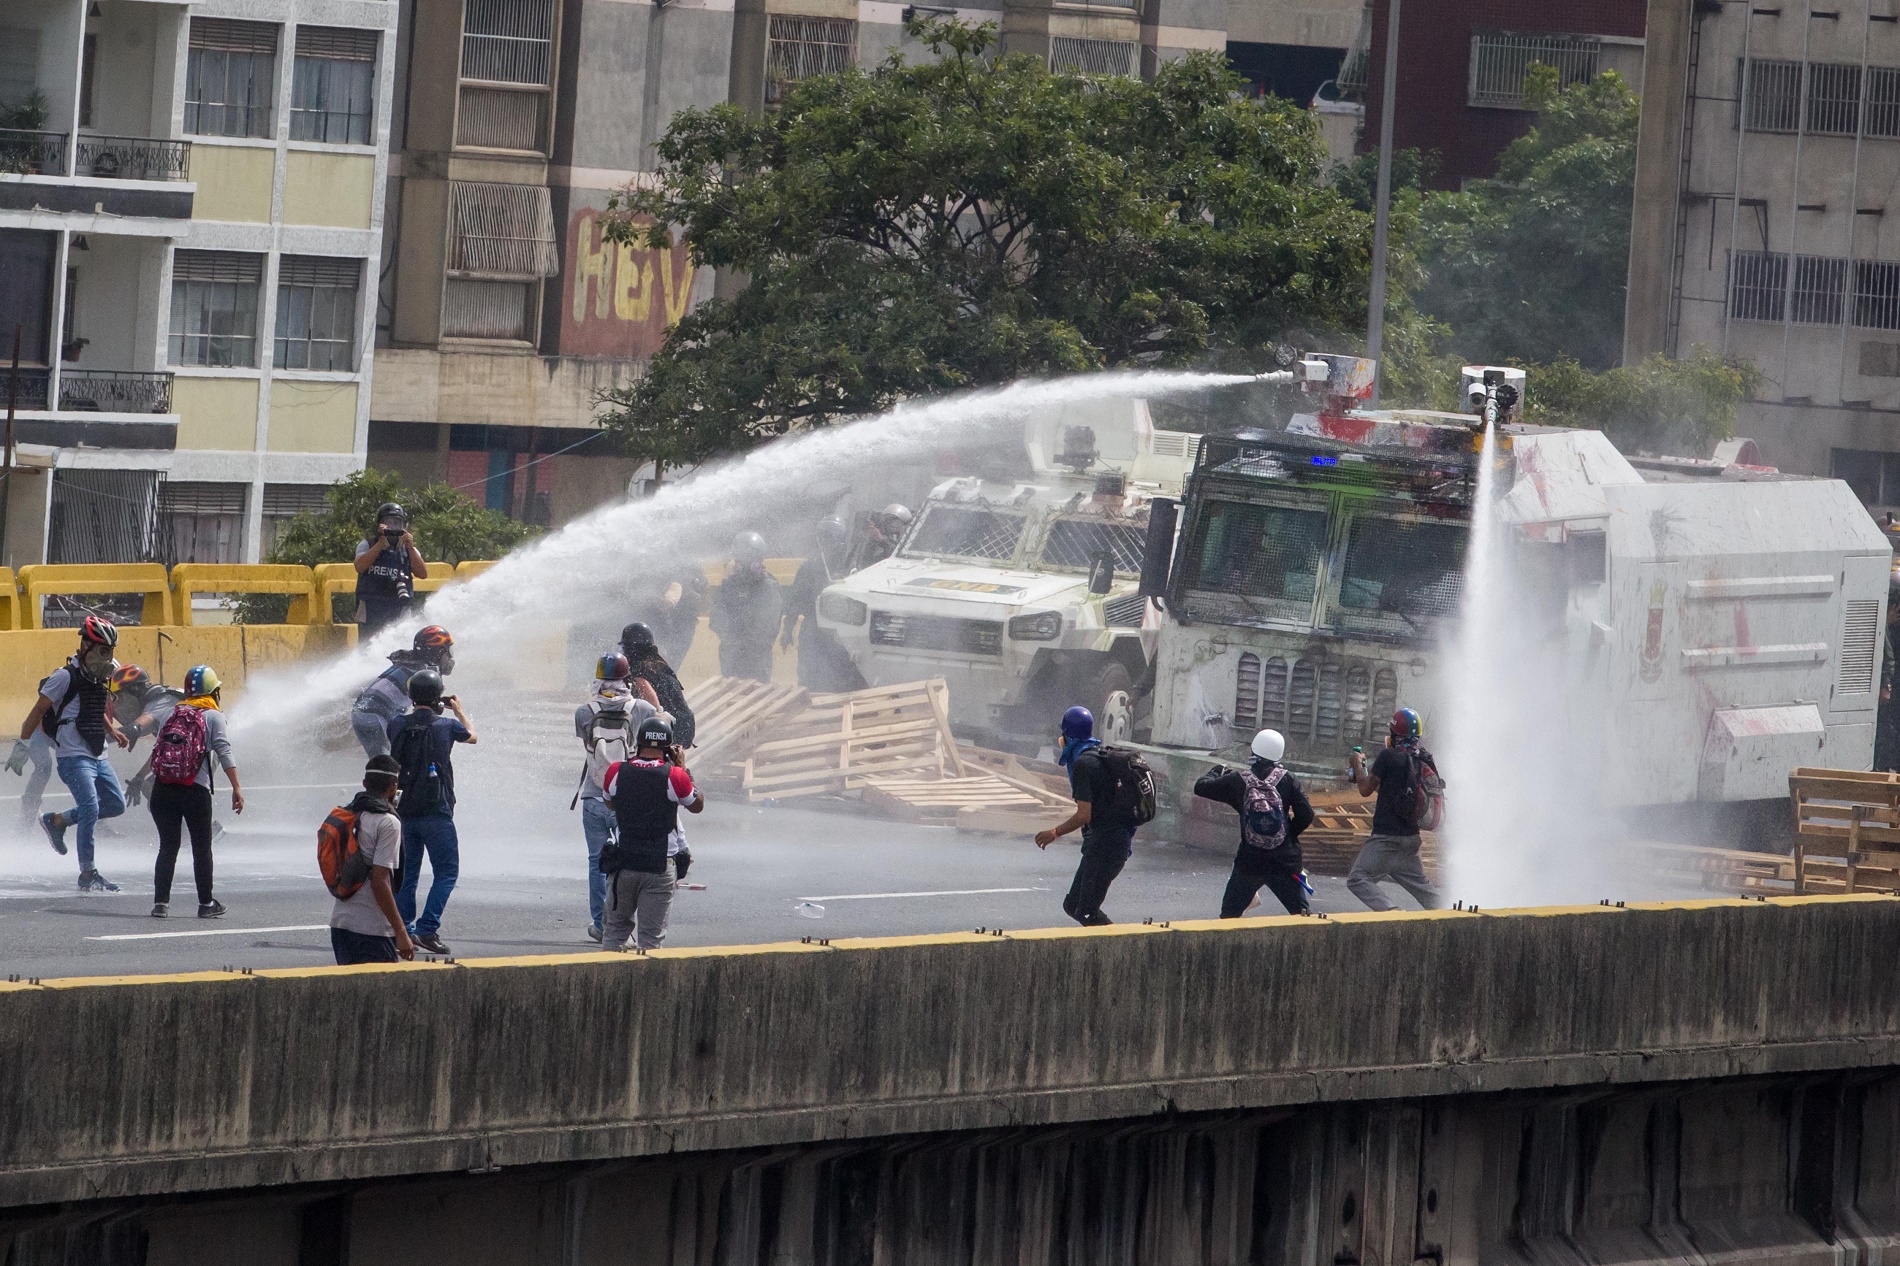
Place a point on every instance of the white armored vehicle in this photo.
(1023, 595)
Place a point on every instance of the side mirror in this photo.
(1157, 555)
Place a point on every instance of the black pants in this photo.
(1103, 857)
(175, 807)
(1281, 875)
(351, 948)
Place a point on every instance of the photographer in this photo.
(423, 742)
(644, 865)
(388, 565)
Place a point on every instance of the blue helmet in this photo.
(1078, 723)
(1406, 725)
(201, 680)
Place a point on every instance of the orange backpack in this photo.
(345, 869)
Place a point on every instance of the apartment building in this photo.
(1768, 164)
(190, 214)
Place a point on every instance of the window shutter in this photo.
(217, 266)
(227, 35)
(340, 43)
(201, 498)
(502, 230)
(284, 500)
(318, 270)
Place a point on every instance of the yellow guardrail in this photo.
(191, 579)
(9, 599)
(37, 581)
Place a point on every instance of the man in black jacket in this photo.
(645, 661)
(1273, 812)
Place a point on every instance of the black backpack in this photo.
(419, 781)
(1134, 795)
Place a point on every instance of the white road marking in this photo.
(951, 892)
(57, 792)
(163, 936)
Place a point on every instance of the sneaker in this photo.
(93, 881)
(214, 909)
(55, 831)
(161, 909)
(431, 941)
(593, 933)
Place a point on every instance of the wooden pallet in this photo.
(942, 800)
(734, 715)
(1847, 830)
(838, 741)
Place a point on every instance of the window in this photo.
(1254, 560)
(316, 313)
(27, 259)
(1077, 543)
(800, 47)
(965, 532)
(19, 65)
(88, 59)
(1833, 99)
(501, 244)
(507, 70)
(333, 89)
(283, 503)
(1876, 295)
(1874, 476)
(1758, 286)
(488, 309)
(1091, 57)
(1774, 94)
(230, 78)
(1501, 59)
(1399, 575)
(1882, 114)
(1819, 289)
(214, 308)
(202, 522)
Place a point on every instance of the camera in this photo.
(393, 535)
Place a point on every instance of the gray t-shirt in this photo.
(69, 741)
(379, 836)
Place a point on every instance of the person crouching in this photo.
(644, 865)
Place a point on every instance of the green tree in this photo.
(1532, 265)
(1657, 406)
(970, 219)
(448, 526)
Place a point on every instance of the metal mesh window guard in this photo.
(1876, 295)
(1076, 543)
(800, 47)
(1833, 99)
(508, 41)
(502, 230)
(1267, 556)
(965, 532)
(333, 87)
(230, 78)
(316, 313)
(1402, 574)
(1091, 57)
(1774, 94)
(1820, 286)
(1501, 59)
(1758, 282)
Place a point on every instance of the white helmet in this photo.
(1269, 745)
(899, 511)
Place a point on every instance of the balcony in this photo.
(99, 157)
(98, 391)
(25, 153)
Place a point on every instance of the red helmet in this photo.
(99, 629)
(612, 667)
(1406, 725)
(130, 677)
(433, 638)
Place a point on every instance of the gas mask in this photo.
(95, 660)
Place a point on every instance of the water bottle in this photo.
(811, 909)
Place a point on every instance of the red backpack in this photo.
(345, 870)
(182, 749)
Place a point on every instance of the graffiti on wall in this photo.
(620, 299)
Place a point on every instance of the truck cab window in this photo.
(1267, 554)
(1401, 573)
(948, 531)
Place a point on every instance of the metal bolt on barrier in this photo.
(1147, 922)
(1619, 905)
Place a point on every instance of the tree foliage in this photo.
(971, 219)
(1657, 406)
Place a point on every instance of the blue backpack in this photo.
(1263, 812)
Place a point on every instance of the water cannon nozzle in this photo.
(1276, 376)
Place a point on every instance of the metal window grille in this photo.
(508, 41)
(1352, 74)
(1247, 692)
(214, 308)
(1401, 572)
(1820, 286)
(502, 118)
(1091, 57)
(333, 86)
(1876, 295)
(1077, 543)
(230, 77)
(316, 313)
(502, 230)
(1881, 115)
(103, 516)
(488, 309)
(202, 522)
(1249, 560)
(1774, 94)
(937, 633)
(1758, 282)
(1860, 641)
(1833, 98)
(965, 532)
(1501, 59)
(799, 47)
(1125, 612)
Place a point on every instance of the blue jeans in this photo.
(96, 794)
(372, 731)
(598, 824)
(435, 835)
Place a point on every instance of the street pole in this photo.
(1382, 214)
(6, 470)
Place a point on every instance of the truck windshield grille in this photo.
(1258, 560)
(1077, 543)
(965, 532)
(936, 633)
(1405, 573)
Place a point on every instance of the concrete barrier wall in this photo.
(114, 1088)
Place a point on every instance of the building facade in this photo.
(190, 218)
(1769, 158)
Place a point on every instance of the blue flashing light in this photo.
(1320, 459)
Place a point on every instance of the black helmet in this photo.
(654, 733)
(425, 687)
(390, 510)
(635, 636)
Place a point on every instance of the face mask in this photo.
(96, 660)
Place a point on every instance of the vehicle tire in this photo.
(1111, 695)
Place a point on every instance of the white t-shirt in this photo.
(69, 742)
(379, 836)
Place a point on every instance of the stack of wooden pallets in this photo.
(1847, 830)
(732, 715)
(836, 743)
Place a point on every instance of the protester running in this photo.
(387, 697)
(423, 743)
(606, 725)
(74, 710)
(183, 787)
(746, 612)
(648, 858)
(388, 564)
(647, 663)
(1399, 775)
(1108, 833)
(362, 846)
(1273, 812)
